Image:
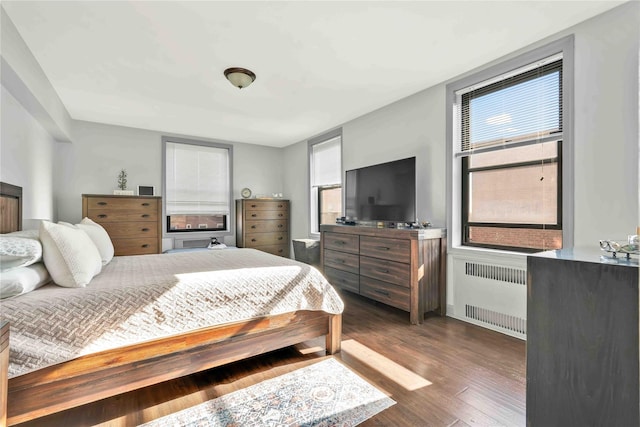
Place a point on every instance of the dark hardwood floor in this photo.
(442, 373)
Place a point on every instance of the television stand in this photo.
(403, 268)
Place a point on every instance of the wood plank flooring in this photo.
(442, 373)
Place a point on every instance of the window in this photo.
(197, 190)
(325, 171)
(510, 139)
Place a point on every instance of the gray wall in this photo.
(606, 140)
(606, 134)
(90, 165)
(26, 158)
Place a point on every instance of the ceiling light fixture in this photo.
(239, 77)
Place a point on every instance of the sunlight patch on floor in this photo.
(387, 367)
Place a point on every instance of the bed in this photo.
(155, 318)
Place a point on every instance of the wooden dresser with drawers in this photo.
(403, 268)
(263, 224)
(132, 222)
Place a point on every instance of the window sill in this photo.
(487, 254)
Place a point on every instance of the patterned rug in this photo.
(326, 393)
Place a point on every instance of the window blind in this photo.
(521, 108)
(197, 180)
(326, 165)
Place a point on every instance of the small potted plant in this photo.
(122, 184)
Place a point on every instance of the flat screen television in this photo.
(383, 192)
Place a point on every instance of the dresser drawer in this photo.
(130, 229)
(108, 203)
(135, 246)
(260, 226)
(281, 250)
(104, 215)
(391, 249)
(265, 214)
(387, 293)
(260, 239)
(342, 261)
(343, 279)
(266, 205)
(388, 271)
(342, 242)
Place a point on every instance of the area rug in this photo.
(326, 393)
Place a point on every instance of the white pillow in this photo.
(18, 251)
(100, 238)
(22, 280)
(69, 254)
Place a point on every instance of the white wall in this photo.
(26, 157)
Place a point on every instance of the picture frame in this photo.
(146, 190)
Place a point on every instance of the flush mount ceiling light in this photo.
(239, 77)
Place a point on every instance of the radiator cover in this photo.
(491, 292)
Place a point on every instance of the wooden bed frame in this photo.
(93, 377)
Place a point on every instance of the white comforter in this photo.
(138, 298)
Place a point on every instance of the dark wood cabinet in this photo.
(132, 222)
(403, 268)
(264, 225)
(582, 340)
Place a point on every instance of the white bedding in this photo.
(138, 298)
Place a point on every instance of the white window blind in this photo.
(325, 163)
(197, 179)
(522, 107)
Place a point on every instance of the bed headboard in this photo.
(10, 208)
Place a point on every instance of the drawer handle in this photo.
(145, 204)
(383, 271)
(384, 248)
(254, 215)
(339, 261)
(145, 229)
(253, 226)
(280, 238)
(280, 251)
(340, 242)
(145, 245)
(253, 240)
(102, 203)
(280, 225)
(280, 206)
(254, 206)
(280, 214)
(145, 215)
(385, 293)
(102, 216)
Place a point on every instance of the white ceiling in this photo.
(159, 65)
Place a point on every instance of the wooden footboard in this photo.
(93, 377)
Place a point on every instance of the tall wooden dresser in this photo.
(263, 224)
(132, 222)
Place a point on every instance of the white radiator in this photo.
(491, 291)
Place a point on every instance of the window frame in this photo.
(314, 202)
(456, 173)
(466, 176)
(197, 235)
